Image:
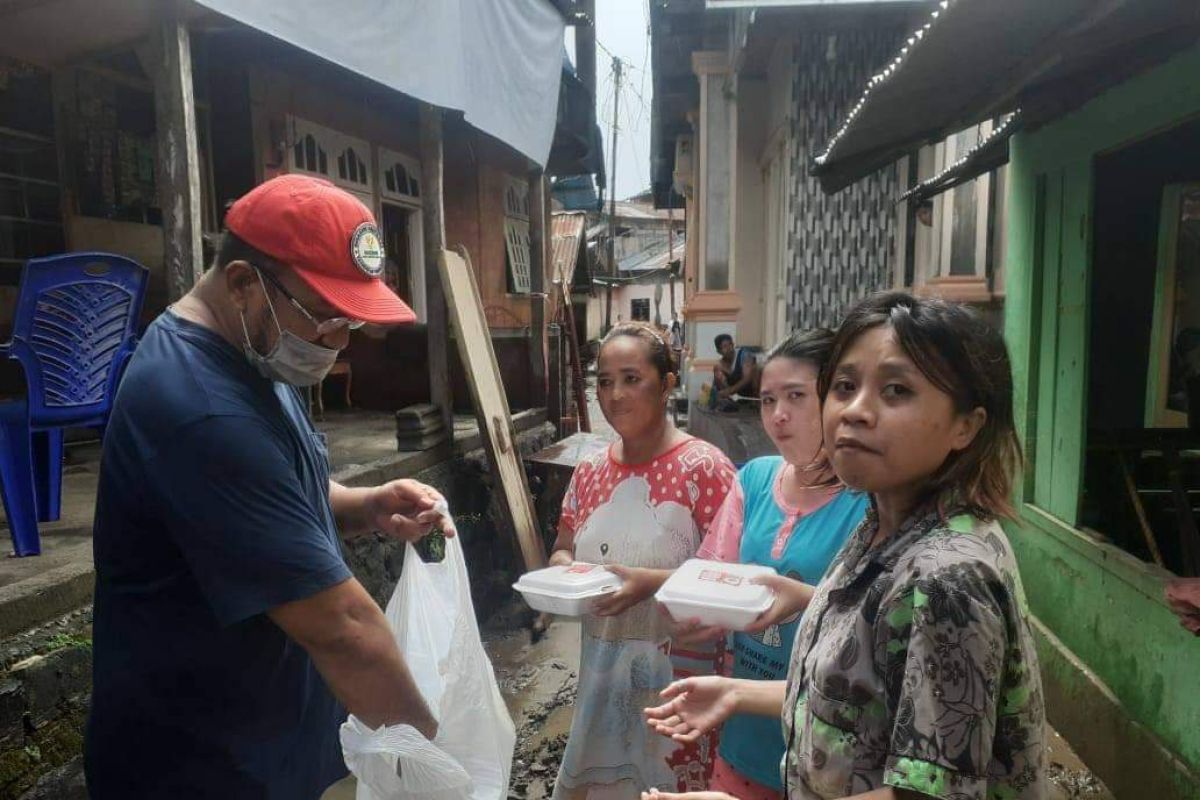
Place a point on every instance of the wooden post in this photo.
(491, 405)
(578, 382)
(671, 250)
(612, 197)
(178, 153)
(434, 232)
(554, 398)
(537, 289)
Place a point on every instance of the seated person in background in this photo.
(735, 373)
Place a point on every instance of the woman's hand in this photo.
(791, 598)
(655, 794)
(638, 584)
(694, 632)
(694, 706)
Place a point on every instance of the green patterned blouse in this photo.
(914, 667)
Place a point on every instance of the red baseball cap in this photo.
(327, 237)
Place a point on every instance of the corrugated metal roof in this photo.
(657, 256)
(566, 234)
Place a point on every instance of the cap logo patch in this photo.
(366, 249)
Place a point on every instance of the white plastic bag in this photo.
(434, 621)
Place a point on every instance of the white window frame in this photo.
(516, 233)
(1162, 334)
(404, 197)
(933, 246)
(388, 161)
(981, 186)
(776, 169)
(335, 146)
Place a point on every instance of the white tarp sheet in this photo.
(497, 61)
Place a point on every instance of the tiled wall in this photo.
(842, 244)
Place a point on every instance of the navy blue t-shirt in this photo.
(213, 508)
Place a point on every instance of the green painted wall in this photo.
(1104, 605)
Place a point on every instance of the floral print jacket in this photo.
(914, 667)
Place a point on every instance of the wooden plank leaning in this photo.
(491, 404)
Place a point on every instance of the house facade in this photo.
(1094, 250)
(743, 93)
(1102, 239)
(127, 126)
(83, 124)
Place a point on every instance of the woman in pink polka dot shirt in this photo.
(642, 507)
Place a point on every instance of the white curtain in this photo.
(497, 61)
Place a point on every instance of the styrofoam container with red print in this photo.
(716, 593)
(569, 591)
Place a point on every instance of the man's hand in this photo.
(791, 598)
(407, 510)
(655, 794)
(639, 583)
(561, 558)
(724, 393)
(348, 638)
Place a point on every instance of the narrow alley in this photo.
(840, 358)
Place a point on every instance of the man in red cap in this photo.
(230, 637)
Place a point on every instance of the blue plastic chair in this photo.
(73, 332)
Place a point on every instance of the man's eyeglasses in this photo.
(323, 326)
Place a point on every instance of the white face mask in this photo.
(292, 360)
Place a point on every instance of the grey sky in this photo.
(622, 30)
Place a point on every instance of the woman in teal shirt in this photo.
(788, 512)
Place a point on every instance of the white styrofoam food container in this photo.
(568, 591)
(716, 593)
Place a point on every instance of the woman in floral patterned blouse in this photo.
(642, 508)
(913, 673)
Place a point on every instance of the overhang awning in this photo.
(498, 63)
(976, 60)
(991, 153)
(576, 193)
(578, 147)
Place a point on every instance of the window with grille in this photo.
(352, 168)
(115, 149)
(309, 156)
(330, 154)
(30, 218)
(399, 176)
(516, 235)
(639, 309)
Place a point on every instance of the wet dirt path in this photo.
(538, 682)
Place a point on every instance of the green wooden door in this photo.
(1060, 282)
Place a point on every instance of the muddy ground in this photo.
(538, 678)
(538, 683)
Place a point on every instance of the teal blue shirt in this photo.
(800, 547)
